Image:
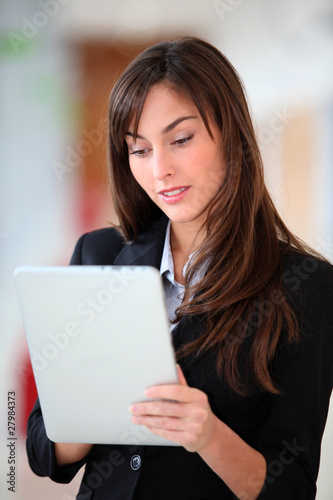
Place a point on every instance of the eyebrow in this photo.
(168, 128)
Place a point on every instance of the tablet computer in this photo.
(97, 337)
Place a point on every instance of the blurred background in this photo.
(59, 59)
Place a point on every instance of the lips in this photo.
(174, 194)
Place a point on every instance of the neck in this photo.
(184, 241)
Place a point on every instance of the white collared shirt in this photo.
(174, 291)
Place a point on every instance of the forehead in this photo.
(162, 98)
(161, 106)
(166, 91)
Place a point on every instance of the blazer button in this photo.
(135, 462)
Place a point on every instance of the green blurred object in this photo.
(13, 44)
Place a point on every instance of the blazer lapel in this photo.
(148, 247)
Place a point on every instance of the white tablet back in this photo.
(97, 337)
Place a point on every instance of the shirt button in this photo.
(135, 462)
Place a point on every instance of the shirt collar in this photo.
(167, 266)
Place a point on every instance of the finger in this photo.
(160, 408)
(190, 414)
(181, 437)
(173, 392)
(166, 423)
(175, 436)
(181, 377)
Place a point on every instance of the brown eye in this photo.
(140, 152)
(183, 142)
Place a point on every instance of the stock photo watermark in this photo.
(277, 124)
(223, 8)
(11, 474)
(261, 309)
(74, 156)
(102, 471)
(86, 310)
(30, 27)
(292, 278)
(275, 468)
(325, 248)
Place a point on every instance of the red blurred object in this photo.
(29, 392)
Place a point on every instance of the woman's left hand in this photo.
(182, 414)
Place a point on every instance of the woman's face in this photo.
(174, 159)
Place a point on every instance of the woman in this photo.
(249, 307)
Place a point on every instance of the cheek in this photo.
(214, 179)
(222, 172)
(212, 171)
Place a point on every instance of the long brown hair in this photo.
(245, 235)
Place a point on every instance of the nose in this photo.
(163, 165)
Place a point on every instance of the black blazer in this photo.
(286, 429)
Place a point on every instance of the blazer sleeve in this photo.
(76, 259)
(41, 453)
(291, 438)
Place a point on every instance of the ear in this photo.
(181, 377)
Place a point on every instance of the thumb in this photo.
(181, 377)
